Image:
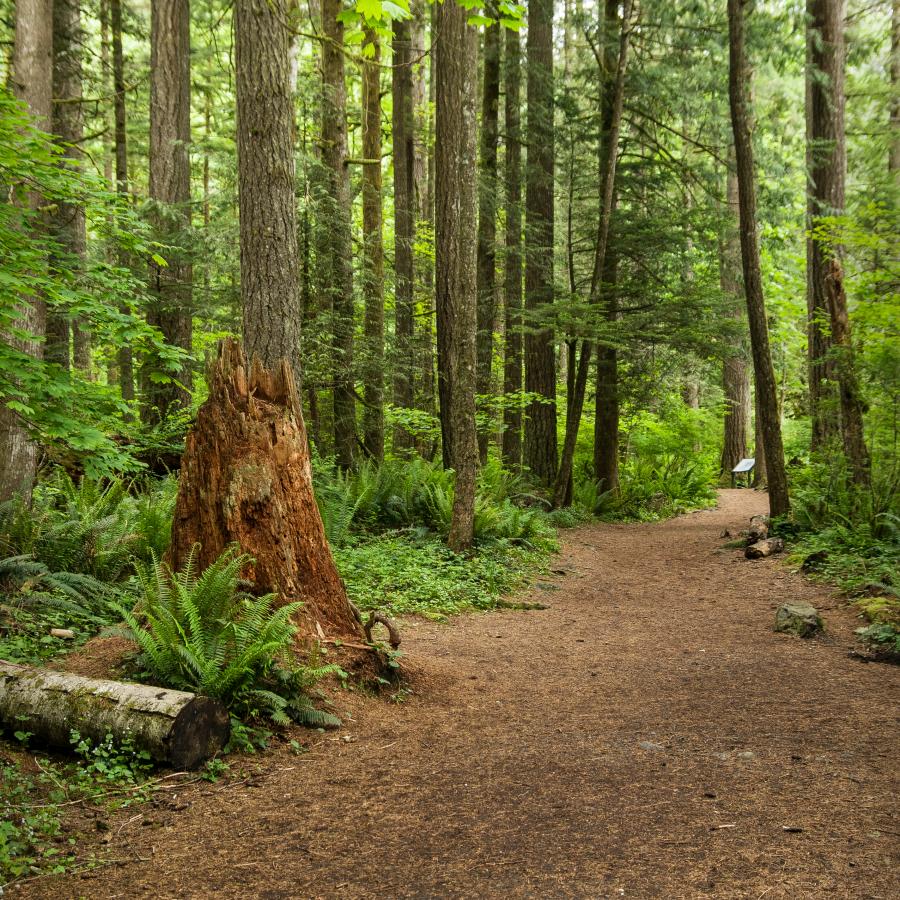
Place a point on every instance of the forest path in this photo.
(647, 735)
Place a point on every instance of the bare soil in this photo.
(646, 735)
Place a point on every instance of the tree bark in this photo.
(270, 269)
(826, 189)
(540, 359)
(735, 376)
(852, 431)
(486, 261)
(606, 416)
(512, 332)
(171, 294)
(32, 76)
(246, 478)
(760, 476)
(174, 727)
(404, 224)
(455, 198)
(340, 245)
(738, 77)
(125, 356)
(894, 124)
(826, 159)
(373, 252)
(67, 222)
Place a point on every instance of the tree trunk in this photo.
(848, 383)
(827, 154)
(32, 76)
(616, 86)
(340, 246)
(540, 359)
(246, 478)
(486, 262)
(779, 503)
(894, 124)
(423, 178)
(404, 224)
(67, 222)
(512, 349)
(174, 727)
(606, 417)
(270, 268)
(125, 356)
(170, 195)
(760, 476)
(373, 249)
(455, 198)
(824, 155)
(735, 377)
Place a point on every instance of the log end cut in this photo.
(200, 730)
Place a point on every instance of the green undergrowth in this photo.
(45, 802)
(408, 572)
(850, 537)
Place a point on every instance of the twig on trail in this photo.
(125, 824)
(766, 891)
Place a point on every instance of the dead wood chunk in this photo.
(761, 549)
(175, 727)
(759, 529)
(246, 478)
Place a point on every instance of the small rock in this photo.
(801, 619)
(747, 754)
(546, 586)
(649, 745)
(792, 829)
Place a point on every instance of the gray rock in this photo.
(801, 619)
(649, 745)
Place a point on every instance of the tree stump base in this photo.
(246, 478)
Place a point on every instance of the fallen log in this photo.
(175, 727)
(759, 529)
(761, 549)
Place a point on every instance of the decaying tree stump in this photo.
(246, 477)
(764, 548)
(173, 726)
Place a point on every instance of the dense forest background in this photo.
(492, 240)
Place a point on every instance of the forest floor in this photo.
(646, 735)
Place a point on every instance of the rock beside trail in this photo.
(801, 619)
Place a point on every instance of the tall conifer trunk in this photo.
(512, 289)
(170, 194)
(32, 78)
(767, 403)
(735, 376)
(606, 415)
(125, 356)
(270, 270)
(340, 245)
(455, 199)
(540, 358)
(67, 220)
(373, 249)
(404, 223)
(487, 214)
(827, 152)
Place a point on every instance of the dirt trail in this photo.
(647, 735)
